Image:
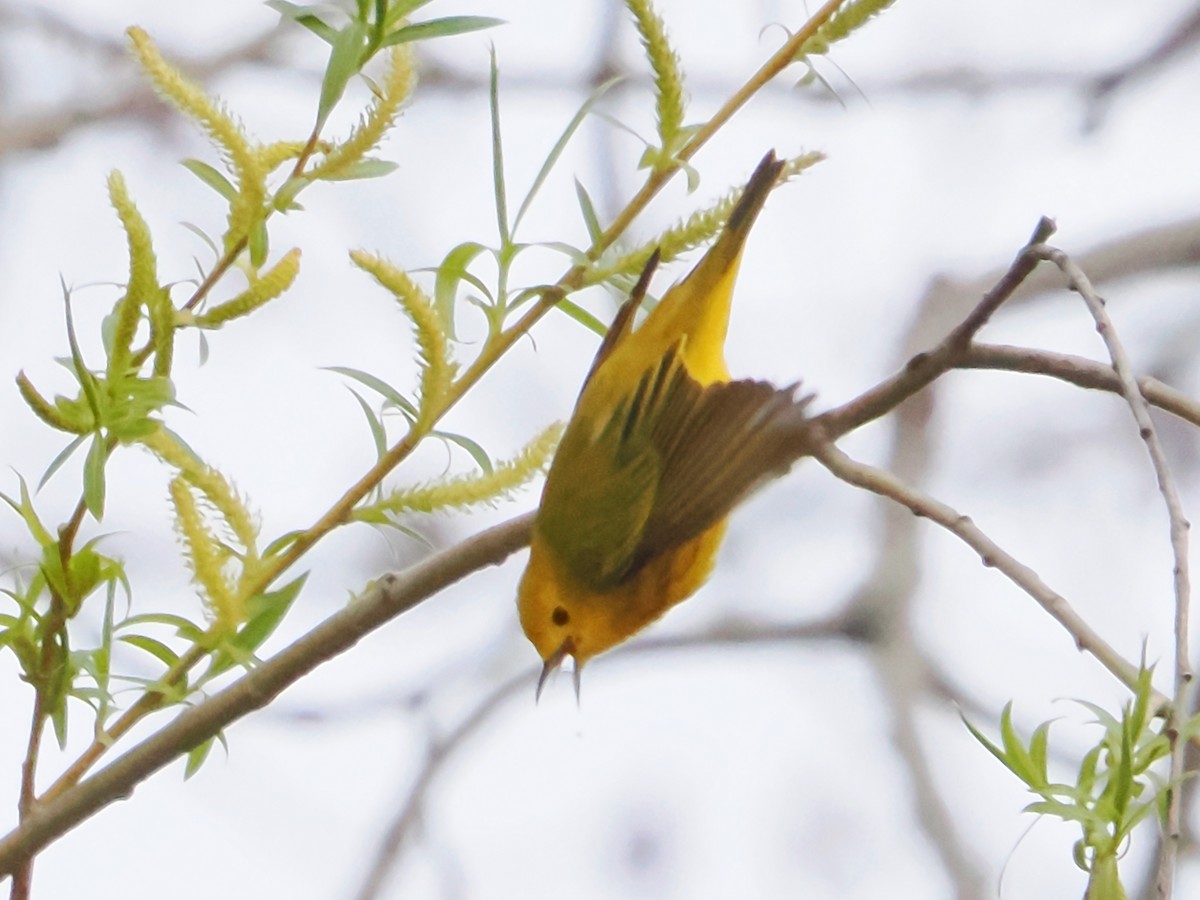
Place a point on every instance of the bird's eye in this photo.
(560, 616)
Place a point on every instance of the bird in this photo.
(661, 446)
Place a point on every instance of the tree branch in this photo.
(387, 598)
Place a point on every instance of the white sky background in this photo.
(760, 771)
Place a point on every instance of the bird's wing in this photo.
(672, 459)
(714, 445)
(600, 491)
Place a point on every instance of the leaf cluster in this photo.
(1115, 787)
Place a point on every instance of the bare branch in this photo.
(1079, 371)
(1179, 526)
(990, 553)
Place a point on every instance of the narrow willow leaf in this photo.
(402, 9)
(281, 543)
(265, 611)
(306, 16)
(499, 191)
(590, 220)
(582, 316)
(452, 270)
(380, 387)
(196, 230)
(155, 648)
(87, 381)
(212, 178)
(62, 457)
(445, 27)
(259, 244)
(345, 60)
(183, 626)
(378, 432)
(196, 757)
(24, 508)
(477, 452)
(285, 197)
(93, 477)
(560, 145)
(364, 168)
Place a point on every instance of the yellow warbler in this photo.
(661, 446)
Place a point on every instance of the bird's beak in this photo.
(553, 661)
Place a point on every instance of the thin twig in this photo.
(397, 833)
(923, 368)
(1179, 526)
(1078, 371)
(396, 837)
(990, 553)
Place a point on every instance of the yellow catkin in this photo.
(692, 232)
(432, 340)
(47, 411)
(206, 556)
(261, 291)
(247, 208)
(142, 286)
(664, 61)
(465, 491)
(212, 484)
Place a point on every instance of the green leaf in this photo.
(280, 543)
(345, 60)
(155, 648)
(259, 244)
(560, 145)
(378, 432)
(452, 270)
(196, 757)
(25, 510)
(477, 452)
(307, 16)
(582, 316)
(991, 748)
(402, 9)
(87, 381)
(364, 168)
(570, 251)
(213, 178)
(1103, 717)
(58, 718)
(590, 220)
(93, 477)
(62, 457)
(1087, 766)
(199, 232)
(498, 189)
(1140, 714)
(285, 198)
(378, 385)
(1019, 759)
(185, 628)
(1038, 751)
(266, 611)
(1065, 811)
(445, 27)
